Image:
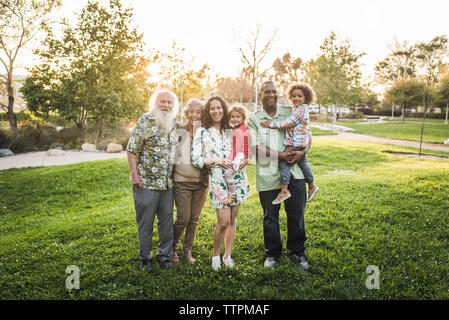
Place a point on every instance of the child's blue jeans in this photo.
(284, 168)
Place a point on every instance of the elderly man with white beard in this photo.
(151, 154)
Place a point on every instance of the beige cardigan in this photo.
(184, 171)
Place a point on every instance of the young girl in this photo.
(240, 149)
(297, 135)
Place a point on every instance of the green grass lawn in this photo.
(373, 208)
(320, 132)
(434, 132)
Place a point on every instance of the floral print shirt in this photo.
(155, 149)
(211, 143)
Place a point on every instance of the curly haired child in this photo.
(297, 136)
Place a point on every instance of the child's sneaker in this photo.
(281, 197)
(312, 193)
(228, 262)
(216, 263)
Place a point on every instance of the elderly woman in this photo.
(211, 147)
(190, 184)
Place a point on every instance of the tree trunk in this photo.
(11, 116)
(100, 131)
(422, 128)
(447, 107)
(403, 114)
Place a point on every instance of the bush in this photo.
(353, 115)
(5, 139)
(21, 116)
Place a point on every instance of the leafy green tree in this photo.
(20, 21)
(401, 63)
(408, 93)
(96, 70)
(432, 56)
(177, 73)
(286, 70)
(336, 74)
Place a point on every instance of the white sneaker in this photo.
(228, 262)
(216, 263)
(269, 263)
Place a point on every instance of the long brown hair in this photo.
(205, 115)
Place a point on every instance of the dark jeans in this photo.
(294, 207)
(284, 168)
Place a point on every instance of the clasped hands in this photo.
(290, 156)
(225, 163)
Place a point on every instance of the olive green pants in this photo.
(189, 200)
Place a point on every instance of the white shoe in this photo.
(269, 263)
(228, 262)
(216, 263)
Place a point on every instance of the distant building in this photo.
(19, 102)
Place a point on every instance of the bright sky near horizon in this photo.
(208, 28)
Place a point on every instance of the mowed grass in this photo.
(320, 132)
(434, 132)
(373, 208)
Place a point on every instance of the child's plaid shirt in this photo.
(296, 125)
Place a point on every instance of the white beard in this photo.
(163, 119)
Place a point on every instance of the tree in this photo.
(253, 52)
(234, 90)
(401, 63)
(177, 73)
(336, 74)
(431, 56)
(286, 70)
(443, 94)
(406, 92)
(97, 70)
(20, 21)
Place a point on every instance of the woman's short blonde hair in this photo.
(192, 103)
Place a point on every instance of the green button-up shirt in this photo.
(155, 149)
(267, 171)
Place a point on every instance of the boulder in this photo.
(114, 147)
(6, 153)
(446, 142)
(55, 153)
(88, 147)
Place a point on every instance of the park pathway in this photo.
(41, 158)
(37, 159)
(403, 143)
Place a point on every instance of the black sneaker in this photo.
(167, 264)
(145, 264)
(300, 261)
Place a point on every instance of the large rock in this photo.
(114, 147)
(446, 142)
(55, 153)
(6, 153)
(88, 147)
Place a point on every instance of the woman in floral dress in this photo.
(211, 146)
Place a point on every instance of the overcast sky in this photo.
(208, 28)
